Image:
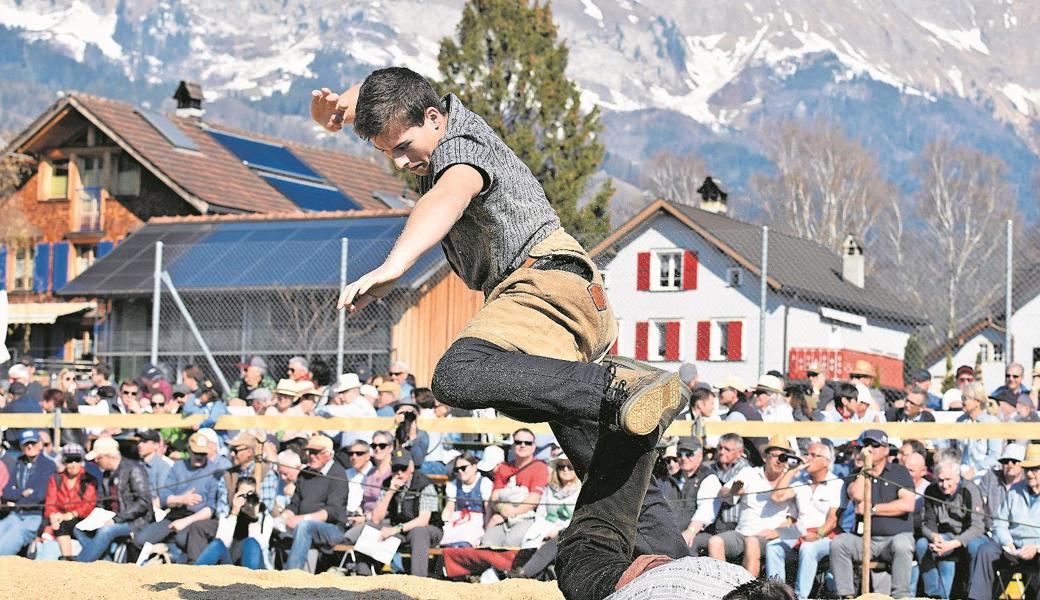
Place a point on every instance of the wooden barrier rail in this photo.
(506, 426)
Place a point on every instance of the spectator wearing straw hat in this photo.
(317, 511)
(24, 494)
(286, 393)
(862, 375)
(71, 496)
(124, 490)
(1016, 531)
(731, 395)
(389, 393)
(761, 517)
(893, 504)
(952, 531)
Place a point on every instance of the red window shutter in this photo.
(671, 341)
(703, 340)
(689, 270)
(734, 343)
(643, 272)
(642, 337)
(614, 348)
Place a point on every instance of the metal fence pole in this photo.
(1008, 358)
(156, 300)
(195, 331)
(868, 505)
(762, 302)
(343, 249)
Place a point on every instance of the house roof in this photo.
(797, 267)
(960, 338)
(212, 178)
(242, 252)
(1025, 285)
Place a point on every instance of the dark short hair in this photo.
(525, 430)
(54, 395)
(761, 589)
(393, 96)
(846, 391)
(103, 369)
(731, 437)
(245, 480)
(701, 393)
(424, 397)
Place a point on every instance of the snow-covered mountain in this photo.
(671, 74)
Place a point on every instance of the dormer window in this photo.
(58, 187)
(128, 176)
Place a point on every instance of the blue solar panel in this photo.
(311, 196)
(265, 155)
(168, 130)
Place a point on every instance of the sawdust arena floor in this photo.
(22, 579)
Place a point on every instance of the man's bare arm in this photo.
(430, 220)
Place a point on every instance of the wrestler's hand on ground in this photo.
(370, 287)
(332, 110)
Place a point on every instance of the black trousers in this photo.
(567, 395)
(600, 542)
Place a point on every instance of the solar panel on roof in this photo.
(168, 130)
(265, 155)
(310, 196)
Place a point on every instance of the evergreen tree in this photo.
(913, 358)
(508, 67)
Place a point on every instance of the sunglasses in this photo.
(685, 454)
(674, 459)
(72, 459)
(129, 393)
(872, 444)
(356, 453)
(1011, 376)
(523, 443)
(564, 467)
(461, 469)
(380, 446)
(397, 373)
(198, 455)
(313, 451)
(1009, 461)
(398, 469)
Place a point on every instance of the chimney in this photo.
(189, 100)
(852, 261)
(713, 197)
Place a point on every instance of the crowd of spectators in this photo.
(950, 518)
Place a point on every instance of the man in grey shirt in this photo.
(536, 350)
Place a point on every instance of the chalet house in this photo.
(684, 283)
(102, 168)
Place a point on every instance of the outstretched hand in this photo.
(332, 110)
(368, 288)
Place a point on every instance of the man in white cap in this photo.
(399, 375)
(124, 490)
(995, 484)
(347, 402)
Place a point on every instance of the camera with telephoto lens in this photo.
(792, 460)
(251, 498)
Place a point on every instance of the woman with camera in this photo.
(244, 533)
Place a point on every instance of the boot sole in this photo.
(641, 414)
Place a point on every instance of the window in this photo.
(89, 200)
(669, 265)
(23, 268)
(59, 183)
(998, 352)
(720, 340)
(128, 176)
(734, 277)
(661, 329)
(86, 254)
(984, 352)
(658, 340)
(91, 169)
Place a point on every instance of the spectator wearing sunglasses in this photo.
(299, 369)
(515, 494)
(24, 494)
(1013, 381)
(997, 481)
(382, 447)
(893, 505)
(358, 464)
(399, 375)
(123, 490)
(408, 435)
(316, 514)
(71, 495)
(467, 495)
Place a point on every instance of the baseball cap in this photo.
(103, 447)
(72, 450)
(493, 456)
(400, 458)
(964, 370)
(689, 444)
(151, 372)
(106, 392)
(369, 391)
(29, 435)
(198, 442)
(875, 435)
(769, 383)
(148, 435)
(921, 375)
(1006, 396)
(245, 439)
(210, 435)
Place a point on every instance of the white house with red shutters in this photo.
(684, 286)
